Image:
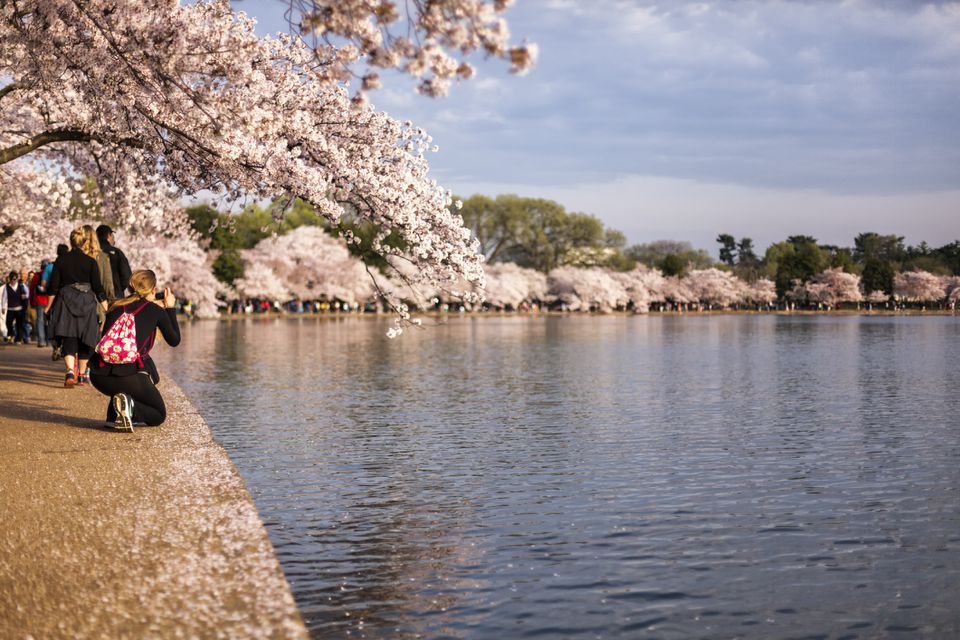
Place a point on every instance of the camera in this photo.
(158, 295)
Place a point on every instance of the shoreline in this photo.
(120, 535)
(577, 314)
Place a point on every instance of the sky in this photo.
(682, 120)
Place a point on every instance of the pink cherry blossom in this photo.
(832, 287)
(508, 285)
(308, 263)
(715, 288)
(586, 289)
(918, 286)
(260, 281)
(762, 292)
(422, 39)
(643, 285)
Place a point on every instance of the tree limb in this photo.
(57, 135)
(13, 86)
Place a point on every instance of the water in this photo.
(615, 477)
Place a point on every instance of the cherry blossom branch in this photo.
(10, 88)
(40, 140)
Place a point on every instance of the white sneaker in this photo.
(123, 405)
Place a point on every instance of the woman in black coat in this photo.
(75, 291)
(134, 397)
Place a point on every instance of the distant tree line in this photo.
(540, 234)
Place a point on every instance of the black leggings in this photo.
(73, 346)
(148, 404)
(15, 320)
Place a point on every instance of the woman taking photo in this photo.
(75, 290)
(134, 397)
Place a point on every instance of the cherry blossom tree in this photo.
(34, 207)
(586, 289)
(876, 297)
(309, 264)
(644, 286)
(762, 292)
(509, 285)
(151, 92)
(179, 262)
(260, 281)
(715, 288)
(917, 286)
(832, 287)
(951, 287)
(677, 291)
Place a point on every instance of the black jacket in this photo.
(119, 266)
(74, 315)
(76, 267)
(148, 320)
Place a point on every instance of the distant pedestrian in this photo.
(134, 397)
(75, 290)
(39, 300)
(29, 313)
(13, 302)
(119, 266)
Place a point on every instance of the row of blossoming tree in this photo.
(309, 264)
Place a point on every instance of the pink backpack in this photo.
(119, 344)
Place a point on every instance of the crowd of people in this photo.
(100, 317)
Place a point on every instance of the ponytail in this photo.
(124, 301)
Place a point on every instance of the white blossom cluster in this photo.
(180, 263)
(828, 288)
(426, 40)
(922, 286)
(34, 208)
(306, 263)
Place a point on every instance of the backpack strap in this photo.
(140, 309)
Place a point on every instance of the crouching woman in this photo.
(132, 387)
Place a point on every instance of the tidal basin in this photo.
(614, 477)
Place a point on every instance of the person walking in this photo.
(93, 248)
(45, 279)
(119, 266)
(38, 301)
(29, 313)
(75, 291)
(132, 387)
(13, 302)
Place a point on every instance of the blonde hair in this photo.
(143, 282)
(91, 245)
(77, 236)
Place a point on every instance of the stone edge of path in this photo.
(117, 535)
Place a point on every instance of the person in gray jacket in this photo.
(119, 265)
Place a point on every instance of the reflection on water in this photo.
(677, 477)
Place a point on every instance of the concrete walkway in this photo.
(117, 535)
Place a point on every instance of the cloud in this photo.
(854, 96)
